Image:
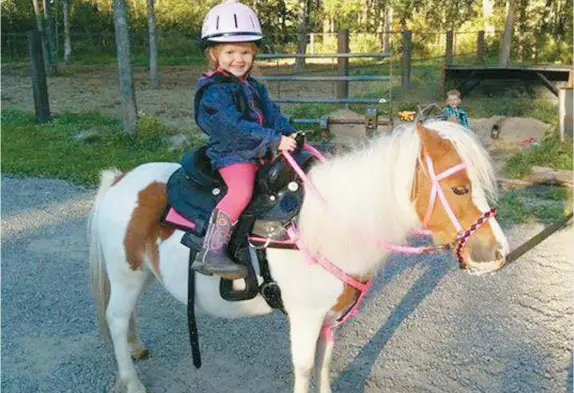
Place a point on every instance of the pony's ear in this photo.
(429, 139)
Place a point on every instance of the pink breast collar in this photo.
(457, 245)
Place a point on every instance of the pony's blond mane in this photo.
(368, 195)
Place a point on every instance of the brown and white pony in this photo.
(376, 193)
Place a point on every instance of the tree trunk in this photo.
(504, 54)
(387, 28)
(67, 41)
(38, 15)
(48, 29)
(127, 92)
(302, 33)
(39, 25)
(153, 72)
(487, 12)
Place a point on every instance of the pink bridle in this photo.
(436, 191)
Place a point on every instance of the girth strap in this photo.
(192, 326)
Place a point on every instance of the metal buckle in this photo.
(265, 245)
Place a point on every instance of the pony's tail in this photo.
(98, 278)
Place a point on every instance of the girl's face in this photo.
(235, 58)
(453, 101)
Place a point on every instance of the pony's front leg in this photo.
(323, 361)
(305, 327)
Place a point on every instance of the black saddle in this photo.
(195, 189)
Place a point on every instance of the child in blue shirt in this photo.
(453, 108)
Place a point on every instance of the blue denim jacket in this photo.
(242, 122)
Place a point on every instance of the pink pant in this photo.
(240, 179)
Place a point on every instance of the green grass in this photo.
(534, 204)
(53, 149)
(550, 152)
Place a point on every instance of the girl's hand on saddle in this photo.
(287, 144)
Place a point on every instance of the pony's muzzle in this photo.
(479, 260)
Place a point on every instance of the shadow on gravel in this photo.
(570, 376)
(353, 377)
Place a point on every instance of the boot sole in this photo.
(201, 268)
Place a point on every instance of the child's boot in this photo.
(213, 257)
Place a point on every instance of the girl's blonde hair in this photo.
(212, 53)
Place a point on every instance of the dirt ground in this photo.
(84, 88)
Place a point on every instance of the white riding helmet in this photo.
(231, 21)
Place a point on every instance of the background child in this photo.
(242, 123)
(453, 108)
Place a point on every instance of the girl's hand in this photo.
(287, 144)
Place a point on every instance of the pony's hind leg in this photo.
(138, 349)
(125, 291)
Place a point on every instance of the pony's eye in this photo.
(460, 190)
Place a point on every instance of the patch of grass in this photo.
(550, 152)
(534, 204)
(55, 150)
(512, 103)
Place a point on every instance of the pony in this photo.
(370, 199)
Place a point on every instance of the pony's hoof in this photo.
(140, 353)
(123, 386)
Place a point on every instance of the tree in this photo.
(67, 41)
(129, 111)
(39, 25)
(152, 33)
(302, 32)
(504, 54)
(48, 30)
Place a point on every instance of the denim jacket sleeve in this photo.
(273, 113)
(219, 117)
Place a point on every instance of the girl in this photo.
(242, 123)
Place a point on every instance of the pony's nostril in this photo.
(499, 254)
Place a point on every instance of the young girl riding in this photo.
(241, 121)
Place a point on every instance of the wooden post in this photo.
(481, 47)
(38, 72)
(312, 43)
(449, 48)
(343, 63)
(566, 112)
(406, 60)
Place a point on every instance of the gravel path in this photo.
(427, 327)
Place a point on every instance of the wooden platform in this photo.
(466, 78)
